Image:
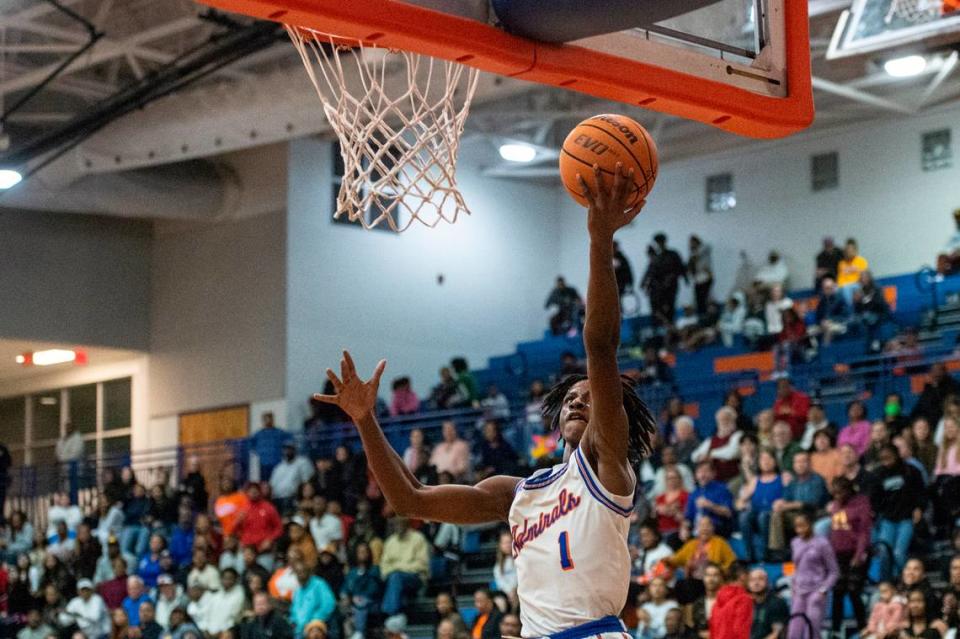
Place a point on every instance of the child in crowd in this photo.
(889, 614)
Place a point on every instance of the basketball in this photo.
(605, 140)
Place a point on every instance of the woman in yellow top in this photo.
(706, 548)
(851, 266)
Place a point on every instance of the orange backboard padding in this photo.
(399, 25)
(762, 362)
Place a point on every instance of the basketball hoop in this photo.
(914, 11)
(399, 123)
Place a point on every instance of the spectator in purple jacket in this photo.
(851, 521)
(857, 431)
(815, 573)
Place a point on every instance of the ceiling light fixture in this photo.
(518, 152)
(52, 357)
(905, 67)
(9, 178)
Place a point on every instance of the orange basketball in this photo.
(605, 140)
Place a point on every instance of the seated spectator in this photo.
(203, 573)
(405, 565)
(302, 541)
(653, 370)
(88, 612)
(570, 364)
(361, 590)
(653, 612)
(670, 462)
(828, 260)
(283, 582)
(946, 488)
(825, 460)
(266, 623)
(857, 431)
(149, 566)
(697, 614)
(194, 486)
(404, 400)
(777, 302)
(850, 268)
(495, 405)
(181, 541)
(734, 400)
(924, 447)
(733, 607)
(199, 606)
(816, 422)
(804, 491)
(416, 457)
(939, 386)
(904, 446)
(815, 574)
(569, 305)
(951, 595)
(791, 406)
(466, 384)
(534, 406)
(135, 535)
(114, 590)
(749, 451)
(898, 499)
(267, 444)
(452, 455)
(35, 628)
(651, 554)
(497, 457)
(893, 415)
(487, 624)
(668, 416)
(674, 626)
(181, 626)
(292, 471)
(773, 273)
(226, 604)
(770, 612)
(879, 437)
(792, 342)
(711, 499)
(671, 504)
(62, 543)
(65, 511)
(685, 439)
(231, 507)
(446, 394)
(120, 627)
(696, 554)
(169, 596)
(869, 309)
(504, 569)
(832, 312)
(206, 536)
(325, 527)
(149, 628)
(764, 428)
(723, 449)
(914, 577)
(732, 318)
(261, 526)
(920, 622)
(783, 446)
(232, 555)
(889, 614)
(510, 625)
(447, 612)
(853, 470)
(16, 537)
(136, 595)
(755, 506)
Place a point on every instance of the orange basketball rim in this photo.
(400, 25)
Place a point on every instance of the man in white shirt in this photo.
(70, 447)
(88, 611)
(169, 596)
(287, 476)
(63, 510)
(773, 273)
(226, 605)
(325, 527)
(202, 573)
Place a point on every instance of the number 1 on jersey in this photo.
(566, 562)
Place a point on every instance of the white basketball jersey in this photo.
(570, 548)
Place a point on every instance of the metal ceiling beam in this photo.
(69, 35)
(107, 50)
(945, 70)
(856, 95)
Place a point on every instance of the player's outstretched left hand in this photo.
(356, 397)
(607, 211)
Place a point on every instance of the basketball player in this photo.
(569, 523)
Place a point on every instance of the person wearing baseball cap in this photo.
(169, 596)
(88, 611)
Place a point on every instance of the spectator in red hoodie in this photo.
(851, 521)
(261, 524)
(792, 407)
(732, 614)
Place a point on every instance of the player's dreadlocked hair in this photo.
(642, 426)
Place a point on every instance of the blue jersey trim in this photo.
(591, 628)
(595, 490)
(545, 479)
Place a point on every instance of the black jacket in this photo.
(897, 492)
(491, 629)
(271, 626)
(930, 404)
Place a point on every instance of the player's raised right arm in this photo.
(486, 502)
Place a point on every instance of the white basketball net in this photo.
(399, 128)
(914, 10)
